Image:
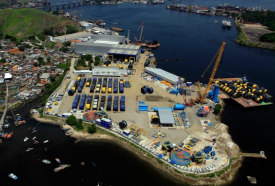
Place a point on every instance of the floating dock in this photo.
(242, 101)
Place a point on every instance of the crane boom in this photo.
(220, 52)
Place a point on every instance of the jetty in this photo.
(254, 155)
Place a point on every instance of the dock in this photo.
(6, 108)
(254, 155)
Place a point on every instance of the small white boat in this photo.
(25, 139)
(13, 176)
(35, 142)
(29, 149)
(57, 160)
(34, 138)
(34, 131)
(46, 161)
(46, 141)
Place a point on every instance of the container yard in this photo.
(158, 111)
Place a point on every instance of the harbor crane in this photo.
(75, 15)
(141, 32)
(218, 57)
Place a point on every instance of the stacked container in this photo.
(110, 84)
(107, 123)
(82, 102)
(81, 84)
(98, 85)
(89, 102)
(95, 104)
(115, 89)
(76, 101)
(122, 103)
(121, 88)
(102, 102)
(88, 83)
(92, 89)
(115, 106)
(109, 103)
(73, 89)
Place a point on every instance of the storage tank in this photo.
(150, 90)
(179, 106)
(216, 93)
(71, 92)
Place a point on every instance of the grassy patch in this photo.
(241, 36)
(177, 171)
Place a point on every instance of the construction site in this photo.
(170, 118)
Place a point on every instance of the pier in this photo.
(254, 155)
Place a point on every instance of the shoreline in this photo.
(243, 39)
(224, 176)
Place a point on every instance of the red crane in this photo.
(141, 32)
(188, 104)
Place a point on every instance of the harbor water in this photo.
(194, 39)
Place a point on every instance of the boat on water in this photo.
(61, 167)
(252, 180)
(26, 139)
(158, 2)
(34, 138)
(5, 135)
(57, 160)
(13, 176)
(226, 23)
(65, 130)
(10, 135)
(34, 131)
(69, 133)
(46, 161)
(46, 141)
(6, 126)
(29, 149)
(35, 142)
(117, 29)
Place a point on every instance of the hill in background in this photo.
(28, 21)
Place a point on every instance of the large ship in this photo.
(226, 23)
(158, 2)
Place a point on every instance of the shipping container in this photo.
(115, 107)
(122, 107)
(79, 90)
(121, 90)
(103, 90)
(89, 99)
(97, 97)
(109, 90)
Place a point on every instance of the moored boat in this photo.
(46, 161)
(29, 149)
(46, 141)
(252, 180)
(26, 139)
(117, 29)
(13, 176)
(57, 160)
(10, 135)
(35, 142)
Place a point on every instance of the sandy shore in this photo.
(165, 169)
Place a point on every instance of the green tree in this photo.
(217, 108)
(71, 120)
(31, 37)
(71, 29)
(79, 124)
(21, 48)
(48, 59)
(52, 79)
(97, 61)
(36, 64)
(3, 60)
(92, 129)
(67, 43)
(64, 49)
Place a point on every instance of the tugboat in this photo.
(13, 176)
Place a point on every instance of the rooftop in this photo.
(166, 116)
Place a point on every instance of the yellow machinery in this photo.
(137, 131)
(155, 119)
(219, 56)
(120, 66)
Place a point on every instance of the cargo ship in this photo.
(245, 93)
(117, 29)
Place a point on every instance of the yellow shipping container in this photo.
(78, 78)
(103, 90)
(110, 90)
(87, 84)
(121, 67)
(73, 88)
(88, 106)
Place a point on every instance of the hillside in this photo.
(22, 22)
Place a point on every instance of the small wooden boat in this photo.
(46, 141)
(35, 142)
(29, 149)
(117, 29)
(252, 180)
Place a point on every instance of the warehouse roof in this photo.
(164, 75)
(123, 52)
(166, 116)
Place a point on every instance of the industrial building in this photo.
(109, 71)
(108, 44)
(167, 76)
(166, 118)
